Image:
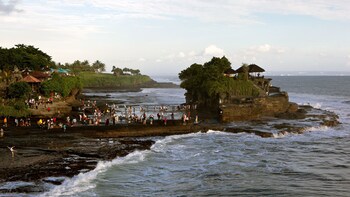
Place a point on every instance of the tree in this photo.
(23, 56)
(117, 71)
(98, 66)
(19, 90)
(206, 83)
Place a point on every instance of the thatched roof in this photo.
(241, 69)
(30, 79)
(39, 75)
(252, 68)
(229, 71)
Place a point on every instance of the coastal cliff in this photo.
(257, 108)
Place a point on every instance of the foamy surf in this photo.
(284, 133)
(83, 182)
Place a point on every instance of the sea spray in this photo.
(85, 181)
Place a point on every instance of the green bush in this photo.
(62, 85)
(15, 108)
(19, 90)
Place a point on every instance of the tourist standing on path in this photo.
(151, 118)
(165, 120)
(196, 120)
(5, 122)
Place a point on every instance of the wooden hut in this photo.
(32, 81)
(230, 72)
(42, 76)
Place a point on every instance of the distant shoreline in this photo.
(135, 88)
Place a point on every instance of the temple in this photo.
(267, 101)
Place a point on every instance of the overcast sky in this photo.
(166, 36)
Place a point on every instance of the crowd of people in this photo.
(89, 113)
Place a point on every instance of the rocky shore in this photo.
(41, 153)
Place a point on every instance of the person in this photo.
(184, 119)
(28, 122)
(151, 119)
(16, 122)
(2, 132)
(68, 120)
(113, 119)
(107, 121)
(165, 120)
(5, 122)
(40, 122)
(196, 120)
(64, 127)
(48, 124)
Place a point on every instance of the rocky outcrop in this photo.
(257, 108)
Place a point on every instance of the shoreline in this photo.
(42, 153)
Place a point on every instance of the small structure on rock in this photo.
(242, 94)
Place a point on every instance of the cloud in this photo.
(265, 48)
(221, 10)
(213, 50)
(9, 7)
(181, 55)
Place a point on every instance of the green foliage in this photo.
(117, 71)
(83, 66)
(15, 108)
(240, 88)
(19, 90)
(104, 80)
(98, 66)
(204, 83)
(61, 85)
(23, 56)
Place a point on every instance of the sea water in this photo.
(316, 163)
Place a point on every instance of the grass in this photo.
(96, 80)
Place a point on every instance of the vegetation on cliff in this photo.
(205, 83)
(106, 80)
(62, 85)
(27, 72)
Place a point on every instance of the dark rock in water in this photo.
(330, 123)
(293, 107)
(252, 131)
(291, 116)
(283, 126)
(346, 102)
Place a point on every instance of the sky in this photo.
(163, 37)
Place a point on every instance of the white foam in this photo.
(216, 132)
(15, 184)
(85, 181)
(317, 105)
(280, 135)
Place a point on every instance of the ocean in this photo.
(316, 163)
